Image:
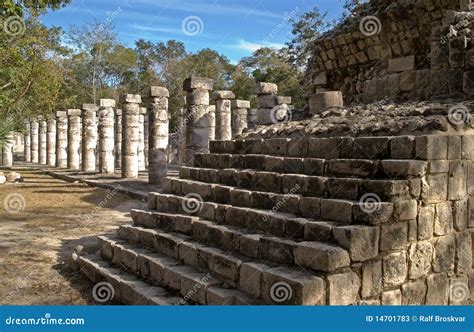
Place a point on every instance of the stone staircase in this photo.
(305, 221)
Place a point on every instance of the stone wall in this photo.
(398, 49)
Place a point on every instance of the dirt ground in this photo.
(41, 222)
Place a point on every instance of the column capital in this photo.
(263, 88)
(90, 107)
(130, 98)
(223, 94)
(104, 103)
(159, 91)
(240, 104)
(74, 112)
(195, 82)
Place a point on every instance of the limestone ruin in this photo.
(371, 203)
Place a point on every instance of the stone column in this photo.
(181, 134)
(130, 135)
(106, 136)
(43, 136)
(223, 115)
(118, 138)
(197, 116)
(146, 135)
(252, 119)
(74, 134)
(89, 137)
(141, 140)
(61, 139)
(239, 116)
(212, 122)
(158, 135)
(27, 141)
(51, 140)
(7, 150)
(34, 125)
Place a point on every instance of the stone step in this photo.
(125, 287)
(305, 185)
(428, 147)
(250, 219)
(323, 257)
(268, 245)
(193, 284)
(353, 168)
(254, 281)
(370, 209)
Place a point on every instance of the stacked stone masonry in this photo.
(338, 221)
(398, 49)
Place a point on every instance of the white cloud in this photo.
(252, 47)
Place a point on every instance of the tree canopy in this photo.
(48, 69)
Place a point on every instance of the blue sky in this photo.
(235, 28)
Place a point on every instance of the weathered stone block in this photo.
(223, 94)
(419, 256)
(262, 88)
(443, 219)
(129, 98)
(393, 236)
(438, 289)
(395, 269)
(240, 104)
(251, 278)
(435, 189)
(444, 254)
(336, 210)
(425, 222)
(320, 257)
(392, 297)
(401, 64)
(432, 147)
(343, 288)
(371, 279)
(362, 242)
(463, 253)
(159, 92)
(413, 293)
(284, 286)
(457, 180)
(198, 83)
(322, 100)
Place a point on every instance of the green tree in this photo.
(92, 43)
(20, 7)
(306, 30)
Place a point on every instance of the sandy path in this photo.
(53, 217)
